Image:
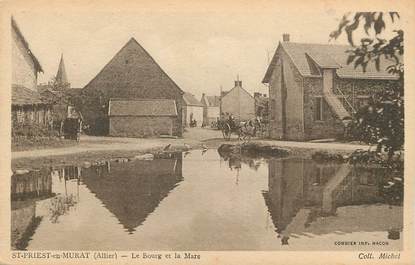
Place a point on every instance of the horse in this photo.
(243, 129)
(228, 127)
(249, 128)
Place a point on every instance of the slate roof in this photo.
(25, 96)
(142, 107)
(225, 93)
(190, 100)
(213, 101)
(327, 56)
(16, 29)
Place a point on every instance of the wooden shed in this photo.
(141, 117)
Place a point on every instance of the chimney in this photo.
(238, 83)
(285, 37)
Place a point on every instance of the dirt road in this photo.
(95, 148)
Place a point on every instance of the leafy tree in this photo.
(382, 121)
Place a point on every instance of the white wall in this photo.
(23, 71)
(197, 114)
(213, 112)
(239, 103)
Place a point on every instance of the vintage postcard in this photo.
(196, 132)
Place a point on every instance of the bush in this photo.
(32, 130)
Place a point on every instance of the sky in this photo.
(200, 50)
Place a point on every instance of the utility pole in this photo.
(220, 103)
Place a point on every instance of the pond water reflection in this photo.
(203, 201)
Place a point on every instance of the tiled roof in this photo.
(190, 100)
(213, 101)
(328, 56)
(132, 69)
(142, 107)
(25, 96)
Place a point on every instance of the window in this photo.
(272, 109)
(318, 108)
(361, 101)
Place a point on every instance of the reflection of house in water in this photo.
(133, 190)
(34, 184)
(302, 191)
(26, 189)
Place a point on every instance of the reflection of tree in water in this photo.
(60, 205)
(302, 193)
(21, 241)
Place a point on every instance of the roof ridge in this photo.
(19, 33)
(141, 99)
(313, 43)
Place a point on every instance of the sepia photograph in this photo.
(159, 133)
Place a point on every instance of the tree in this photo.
(382, 121)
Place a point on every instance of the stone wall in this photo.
(330, 126)
(130, 126)
(285, 100)
(355, 89)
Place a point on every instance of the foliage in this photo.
(31, 130)
(382, 121)
(323, 156)
(56, 85)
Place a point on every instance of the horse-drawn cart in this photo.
(243, 129)
(72, 128)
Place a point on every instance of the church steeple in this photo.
(61, 78)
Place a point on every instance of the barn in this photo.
(141, 117)
(131, 74)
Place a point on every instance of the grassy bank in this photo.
(81, 158)
(35, 143)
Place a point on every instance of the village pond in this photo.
(200, 200)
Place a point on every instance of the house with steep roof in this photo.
(131, 74)
(141, 117)
(192, 110)
(211, 109)
(237, 102)
(313, 91)
(27, 105)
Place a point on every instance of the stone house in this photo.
(27, 108)
(141, 117)
(238, 102)
(192, 110)
(211, 108)
(313, 91)
(131, 74)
